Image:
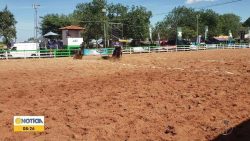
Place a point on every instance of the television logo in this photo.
(28, 123)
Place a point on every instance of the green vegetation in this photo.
(229, 22)
(247, 23)
(187, 19)
(52, 22)
(135, 20)
(7, 25)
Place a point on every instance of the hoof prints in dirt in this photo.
(170, 130)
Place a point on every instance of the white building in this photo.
(71, 36)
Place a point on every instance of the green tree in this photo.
(91, 17)
(52, 22)
(117, 12)
(135, 20)
(211, 19)
(187, 19)
(247, 23)
(7, 25)
(137, 23)
(229, 22)
(179, 17)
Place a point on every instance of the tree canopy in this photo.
(187, 19)
(7, 25)
(247, 23)
(137, 23)
(91, 17)
(52, 22)
(135, 19)
(178, 17)
(229, 22)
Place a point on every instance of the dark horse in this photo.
(79, 53)
(117, 53)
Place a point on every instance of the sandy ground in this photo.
(160, 96)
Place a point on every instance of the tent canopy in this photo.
(50, 34)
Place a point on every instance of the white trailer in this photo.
(24, 50)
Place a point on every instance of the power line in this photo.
(124, 19)
(113, 23)
(205, 7)
(219, 4)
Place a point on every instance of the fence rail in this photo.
(9, 54)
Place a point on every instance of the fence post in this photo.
(6, 54)
(130, 50)
(25, 54)
(54, 53)
(51, 53)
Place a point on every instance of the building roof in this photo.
(72, 27)
(222, 38)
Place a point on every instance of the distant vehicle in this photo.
(24, 50)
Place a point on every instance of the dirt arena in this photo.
(183, 96)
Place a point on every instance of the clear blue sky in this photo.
(24, 13)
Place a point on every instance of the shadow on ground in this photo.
(240, 132)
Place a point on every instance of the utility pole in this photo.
(159, 39)
(104, 27)
(206, 31)
(35, 6)
(197, 28)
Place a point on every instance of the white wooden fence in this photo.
(8, 54)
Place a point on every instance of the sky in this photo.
(24, 13)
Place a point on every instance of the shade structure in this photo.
(50, 34)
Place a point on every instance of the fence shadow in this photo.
(240, 132)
